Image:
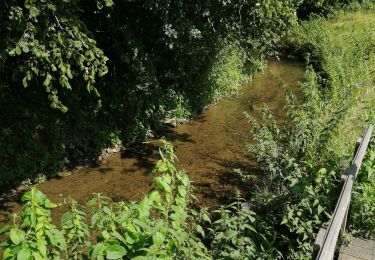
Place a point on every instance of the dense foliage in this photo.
(304, 160)
(145, 61)
(363, 208)
(114, 70)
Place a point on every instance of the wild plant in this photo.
(75, 229)
(362, 211)
(32, 234)
(160, 225)
(239, 234)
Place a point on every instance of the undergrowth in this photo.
(302, 161)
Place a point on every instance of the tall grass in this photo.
(302, 162)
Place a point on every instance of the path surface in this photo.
(359, 249)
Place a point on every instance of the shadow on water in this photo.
(209, 148)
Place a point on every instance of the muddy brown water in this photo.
(209, 148)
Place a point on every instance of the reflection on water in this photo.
(209, 148)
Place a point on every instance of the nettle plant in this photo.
(297, 187)
(239, 233)
(33, 236)
(162, 224)
(75, 229)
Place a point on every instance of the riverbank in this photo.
(301, 163)
(209, 148)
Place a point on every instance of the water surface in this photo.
(209, 148)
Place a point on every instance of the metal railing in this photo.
(326, 240)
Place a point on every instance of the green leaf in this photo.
(42, 248)
(25, 49)
(52, 7)
(8, 254)
(47, 81)
(77, 44)
(119, 236)
(200, 230)
(182, 191)
(23, 254)
(38, 256)
(155, 197)
(91, 202)
(16, 235)
(115, 251)
(206, 218)
(34, 12)
(320, 209)
(108, 3)
(66, 218)
(300, 230)
(97, 250)
(161, 166)
(158, 238)
(18, 50)
(24, 82)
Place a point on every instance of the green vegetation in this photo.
(162, 225)
(117, 69)
(362, 213)
(303, 161)
(173, 60)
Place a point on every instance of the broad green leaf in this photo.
(8, 254)
(66, 218)
(25, 49)
(52, 7)
(119, 236)
(108, 3)
(16, 235)
(91, 202)
(18, 50)
(77, 44)
(115, 251)
(182, 191)
(97, 250)
(34, 12)
(24, 254)
(42, 248)
(158, 238)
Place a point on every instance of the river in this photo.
(209, 148)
